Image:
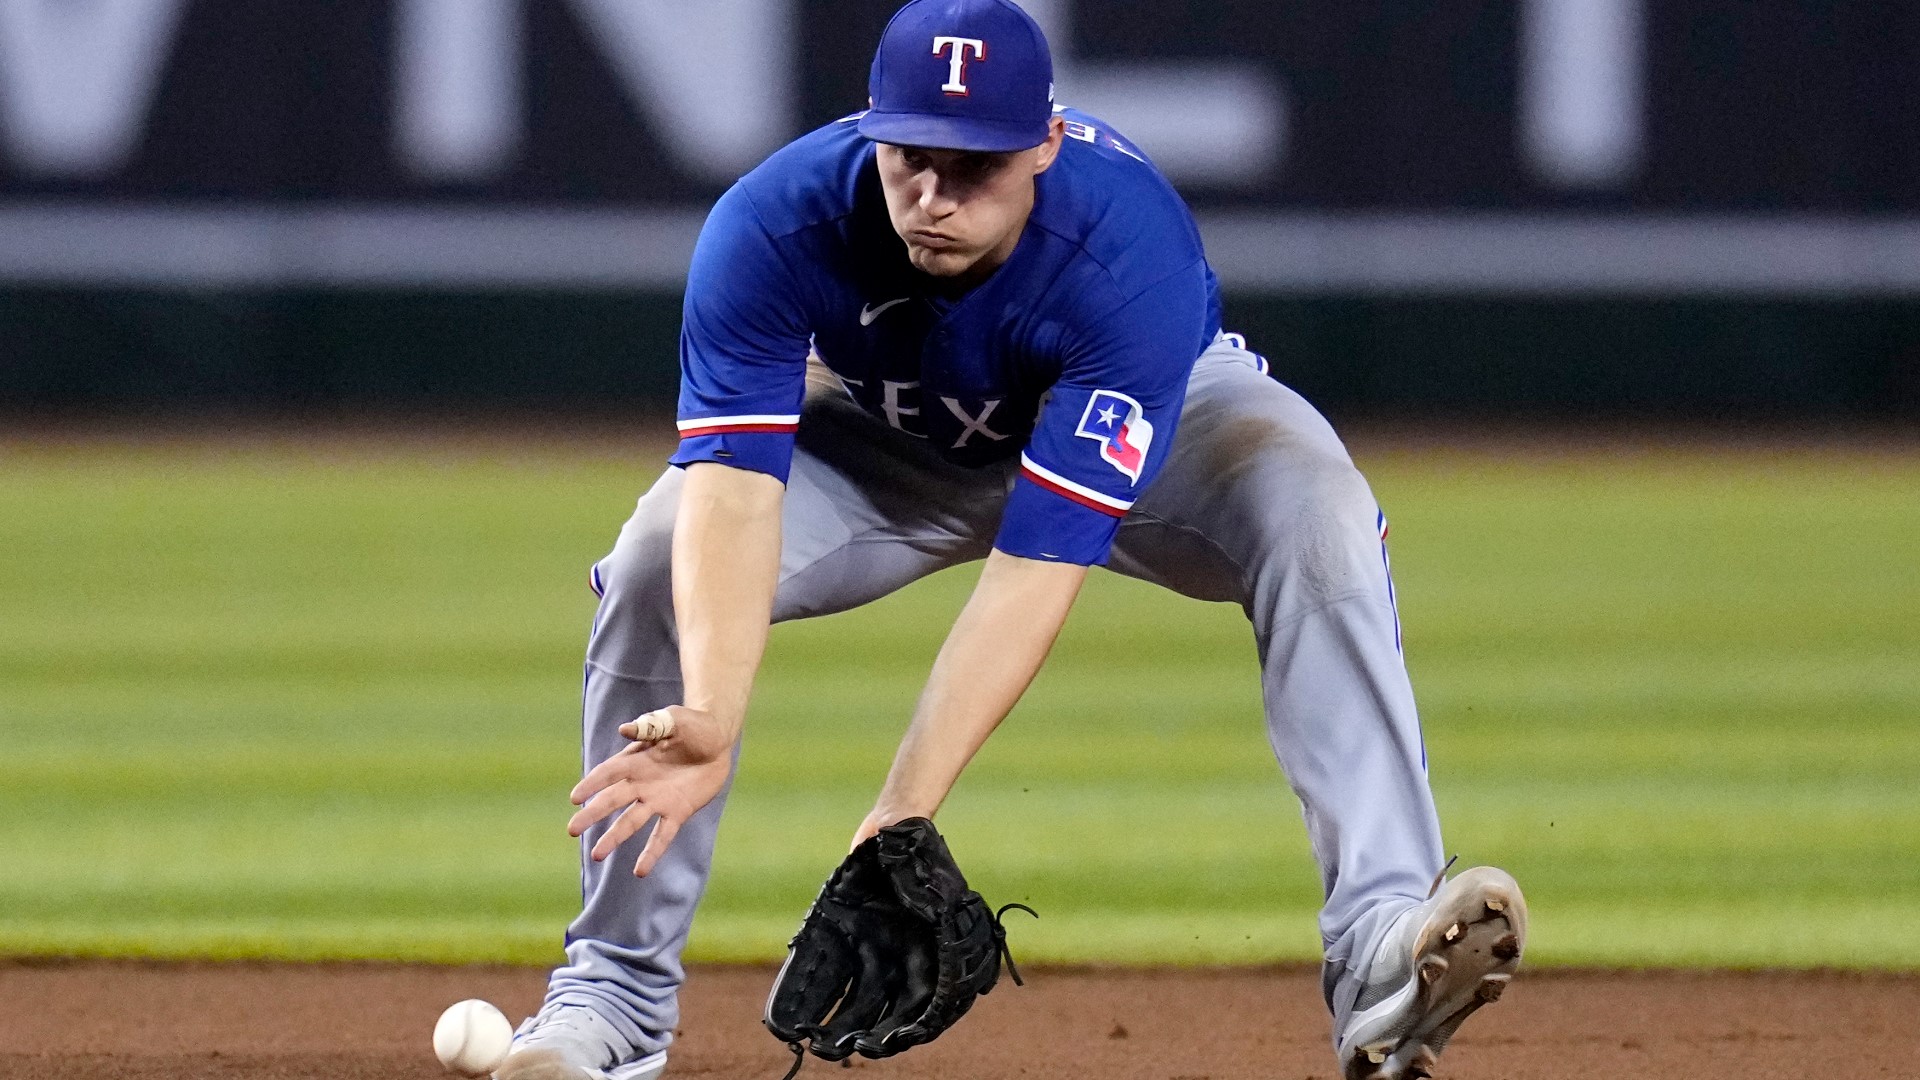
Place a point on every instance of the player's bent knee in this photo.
(1319, 536)
(1337, 486)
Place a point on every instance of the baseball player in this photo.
(966, 324)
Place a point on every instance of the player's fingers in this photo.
(608, 799)
(631, 820)
(598, 777)
(649, 728)
(663, 833)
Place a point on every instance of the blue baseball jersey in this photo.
(1073, 355)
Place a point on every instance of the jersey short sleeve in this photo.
(743, 346)
(1108, 424)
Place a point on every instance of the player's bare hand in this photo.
(679, 760)
(880, 818)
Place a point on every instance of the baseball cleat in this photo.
(572, 1042)
(1438, 962)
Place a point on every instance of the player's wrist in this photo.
(894, 807)
(717, 734)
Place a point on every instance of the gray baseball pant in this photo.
(1258, 505)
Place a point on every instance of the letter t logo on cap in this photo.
(956, 84)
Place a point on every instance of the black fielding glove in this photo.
(896, 941)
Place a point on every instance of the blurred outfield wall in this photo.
(1622, 208)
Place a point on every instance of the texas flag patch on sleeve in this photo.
(1120, 426)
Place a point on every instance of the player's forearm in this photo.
(726, 563)
(992, 654)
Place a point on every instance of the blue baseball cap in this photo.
(961, 75)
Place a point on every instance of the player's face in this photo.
(961, 212)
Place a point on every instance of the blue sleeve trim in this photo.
(755, 451)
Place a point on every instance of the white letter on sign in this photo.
(715, 78)
(456, 97)
(1218, 121)
(76, 80)
(956, 84)
(1583, 78)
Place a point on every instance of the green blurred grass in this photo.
(273, 699)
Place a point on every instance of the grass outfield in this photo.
(321, 701)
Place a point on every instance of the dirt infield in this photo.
(102, 1021)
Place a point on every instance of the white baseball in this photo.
(472, 1037)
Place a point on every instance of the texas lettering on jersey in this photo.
(901, 405)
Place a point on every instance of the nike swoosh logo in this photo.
(870, 313)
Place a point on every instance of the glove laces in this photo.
(799, 1059)
(1000, 940)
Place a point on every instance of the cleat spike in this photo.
(1431, 968)
(1492, 987)
(1376, 1055)
(1453, 933)
(1496, 906)
(1506, 948)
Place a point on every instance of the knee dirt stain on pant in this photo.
(1229, 448)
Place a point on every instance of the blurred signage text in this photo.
(1507, 127)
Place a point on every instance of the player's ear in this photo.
(1050, 150)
